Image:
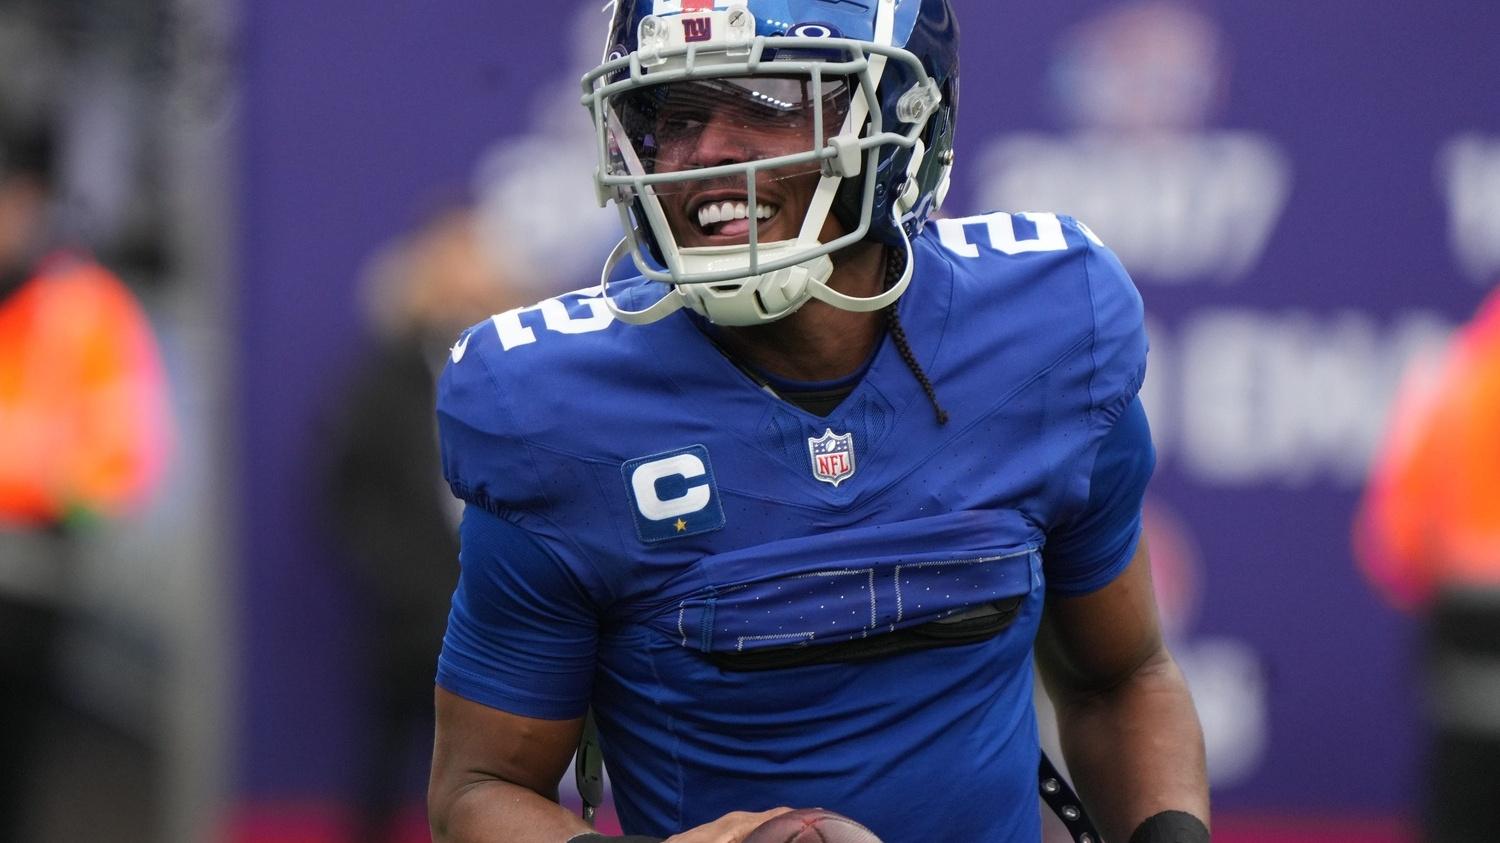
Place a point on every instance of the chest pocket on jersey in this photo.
(978, 624)
(862, 593)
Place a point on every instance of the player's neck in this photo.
(820, 342)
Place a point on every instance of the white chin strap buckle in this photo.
(760, 298)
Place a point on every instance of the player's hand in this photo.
(733, 827)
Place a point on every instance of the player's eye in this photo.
(680, 124)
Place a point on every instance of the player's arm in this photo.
(1129, 731)
(495, 775)
(514, 679)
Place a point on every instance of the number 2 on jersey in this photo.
(1001, 231)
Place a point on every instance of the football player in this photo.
(796, 509)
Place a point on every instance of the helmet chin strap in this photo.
(865, 304)
(777, 294)
(774, 294)
(760, 298)
(659, 309)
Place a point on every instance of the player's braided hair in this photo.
(895, 263)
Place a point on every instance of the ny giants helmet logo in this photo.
(832, 456)
(697, 29)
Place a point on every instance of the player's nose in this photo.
(721, 141)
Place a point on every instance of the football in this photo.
(811, 825)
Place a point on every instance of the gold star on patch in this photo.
(680, 525)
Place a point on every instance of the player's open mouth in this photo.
(731, 218)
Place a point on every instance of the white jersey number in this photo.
(555, 317)
(1001, 230)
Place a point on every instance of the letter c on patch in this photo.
(673, 495)
(649, 501)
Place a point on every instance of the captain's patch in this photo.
(673, 494)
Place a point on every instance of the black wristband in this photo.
(1171, 827)
(595, 837)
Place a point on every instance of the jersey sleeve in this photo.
(1087, 552)
(486, 460)
(523, 631)
(1119, 342)
(1097, 539)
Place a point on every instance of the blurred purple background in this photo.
(1308, 195)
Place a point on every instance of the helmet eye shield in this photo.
(675, 135)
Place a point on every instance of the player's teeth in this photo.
(712, 212)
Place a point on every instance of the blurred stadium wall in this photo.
(138, 96)
(1307, 193)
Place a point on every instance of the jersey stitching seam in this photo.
(948, 310)
(671, 723)
(985, 415)
(513, 514)
(528, 446)
(504, 407)
(896, 573)
(1006, 398)
(1093, 412)
(1088, 280)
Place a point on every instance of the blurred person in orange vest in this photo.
(1428, 536)
(82, 433)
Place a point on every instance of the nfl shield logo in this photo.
(832, 456)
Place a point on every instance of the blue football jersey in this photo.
(644, 517)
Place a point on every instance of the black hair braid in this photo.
(893, 268)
